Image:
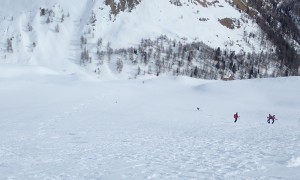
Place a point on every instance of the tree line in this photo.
(195, 59)
(279, 22)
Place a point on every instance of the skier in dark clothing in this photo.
(235, 116)
(273, 119)
(269, 118)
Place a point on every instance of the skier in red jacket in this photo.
(235, 116)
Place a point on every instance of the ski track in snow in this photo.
(141, 132)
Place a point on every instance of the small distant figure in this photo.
(198, 108)
(236, 116)
(273, 118)
(269, 118)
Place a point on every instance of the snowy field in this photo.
(55, 126)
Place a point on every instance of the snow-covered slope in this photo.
(55, 126)
(33, 39)
(48, 32)
(57, 121)
(192, 20)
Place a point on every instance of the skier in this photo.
(273, 119)
(269, 118)
(235, 116)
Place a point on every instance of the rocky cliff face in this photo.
(117, 6)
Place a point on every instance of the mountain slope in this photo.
(280, 22)
(62, 35)
(151, 19)
(58, 127)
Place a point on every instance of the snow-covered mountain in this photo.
(59, 121)
(106, 37)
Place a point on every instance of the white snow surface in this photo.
(63, 126)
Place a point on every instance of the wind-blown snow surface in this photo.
(55, 126)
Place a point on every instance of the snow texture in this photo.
(69, 126)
